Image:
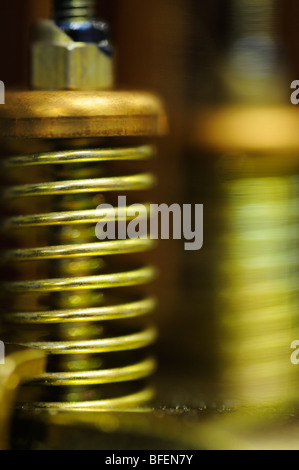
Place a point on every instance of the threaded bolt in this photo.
(73, 10)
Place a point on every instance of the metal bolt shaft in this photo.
(73, 9)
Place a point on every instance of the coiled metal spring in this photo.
(59, 299)
(74, 9)
(246, 295)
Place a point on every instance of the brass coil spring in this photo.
(245, 280)
(73, 9)
(258, 298)
(64, 296)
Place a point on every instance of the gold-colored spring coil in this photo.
(65, 297)
(258, 275)
(247, 304)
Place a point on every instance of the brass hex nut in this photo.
(59, 63)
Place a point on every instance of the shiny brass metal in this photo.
(69, 303)
(249, 156)
(247, 129)
(59, 63)
(18, 368)
(73, 10)
(58, 114)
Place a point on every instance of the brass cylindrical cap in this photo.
(73, 114)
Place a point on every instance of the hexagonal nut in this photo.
(58, 63)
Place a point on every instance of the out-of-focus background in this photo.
(177, 49)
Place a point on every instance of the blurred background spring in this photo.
(239, 293)
(244, 287)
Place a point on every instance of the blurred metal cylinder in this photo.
(241, 290)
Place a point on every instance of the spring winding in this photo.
(73, 9)
(246, 294)
(66, 296)
(258, 298)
